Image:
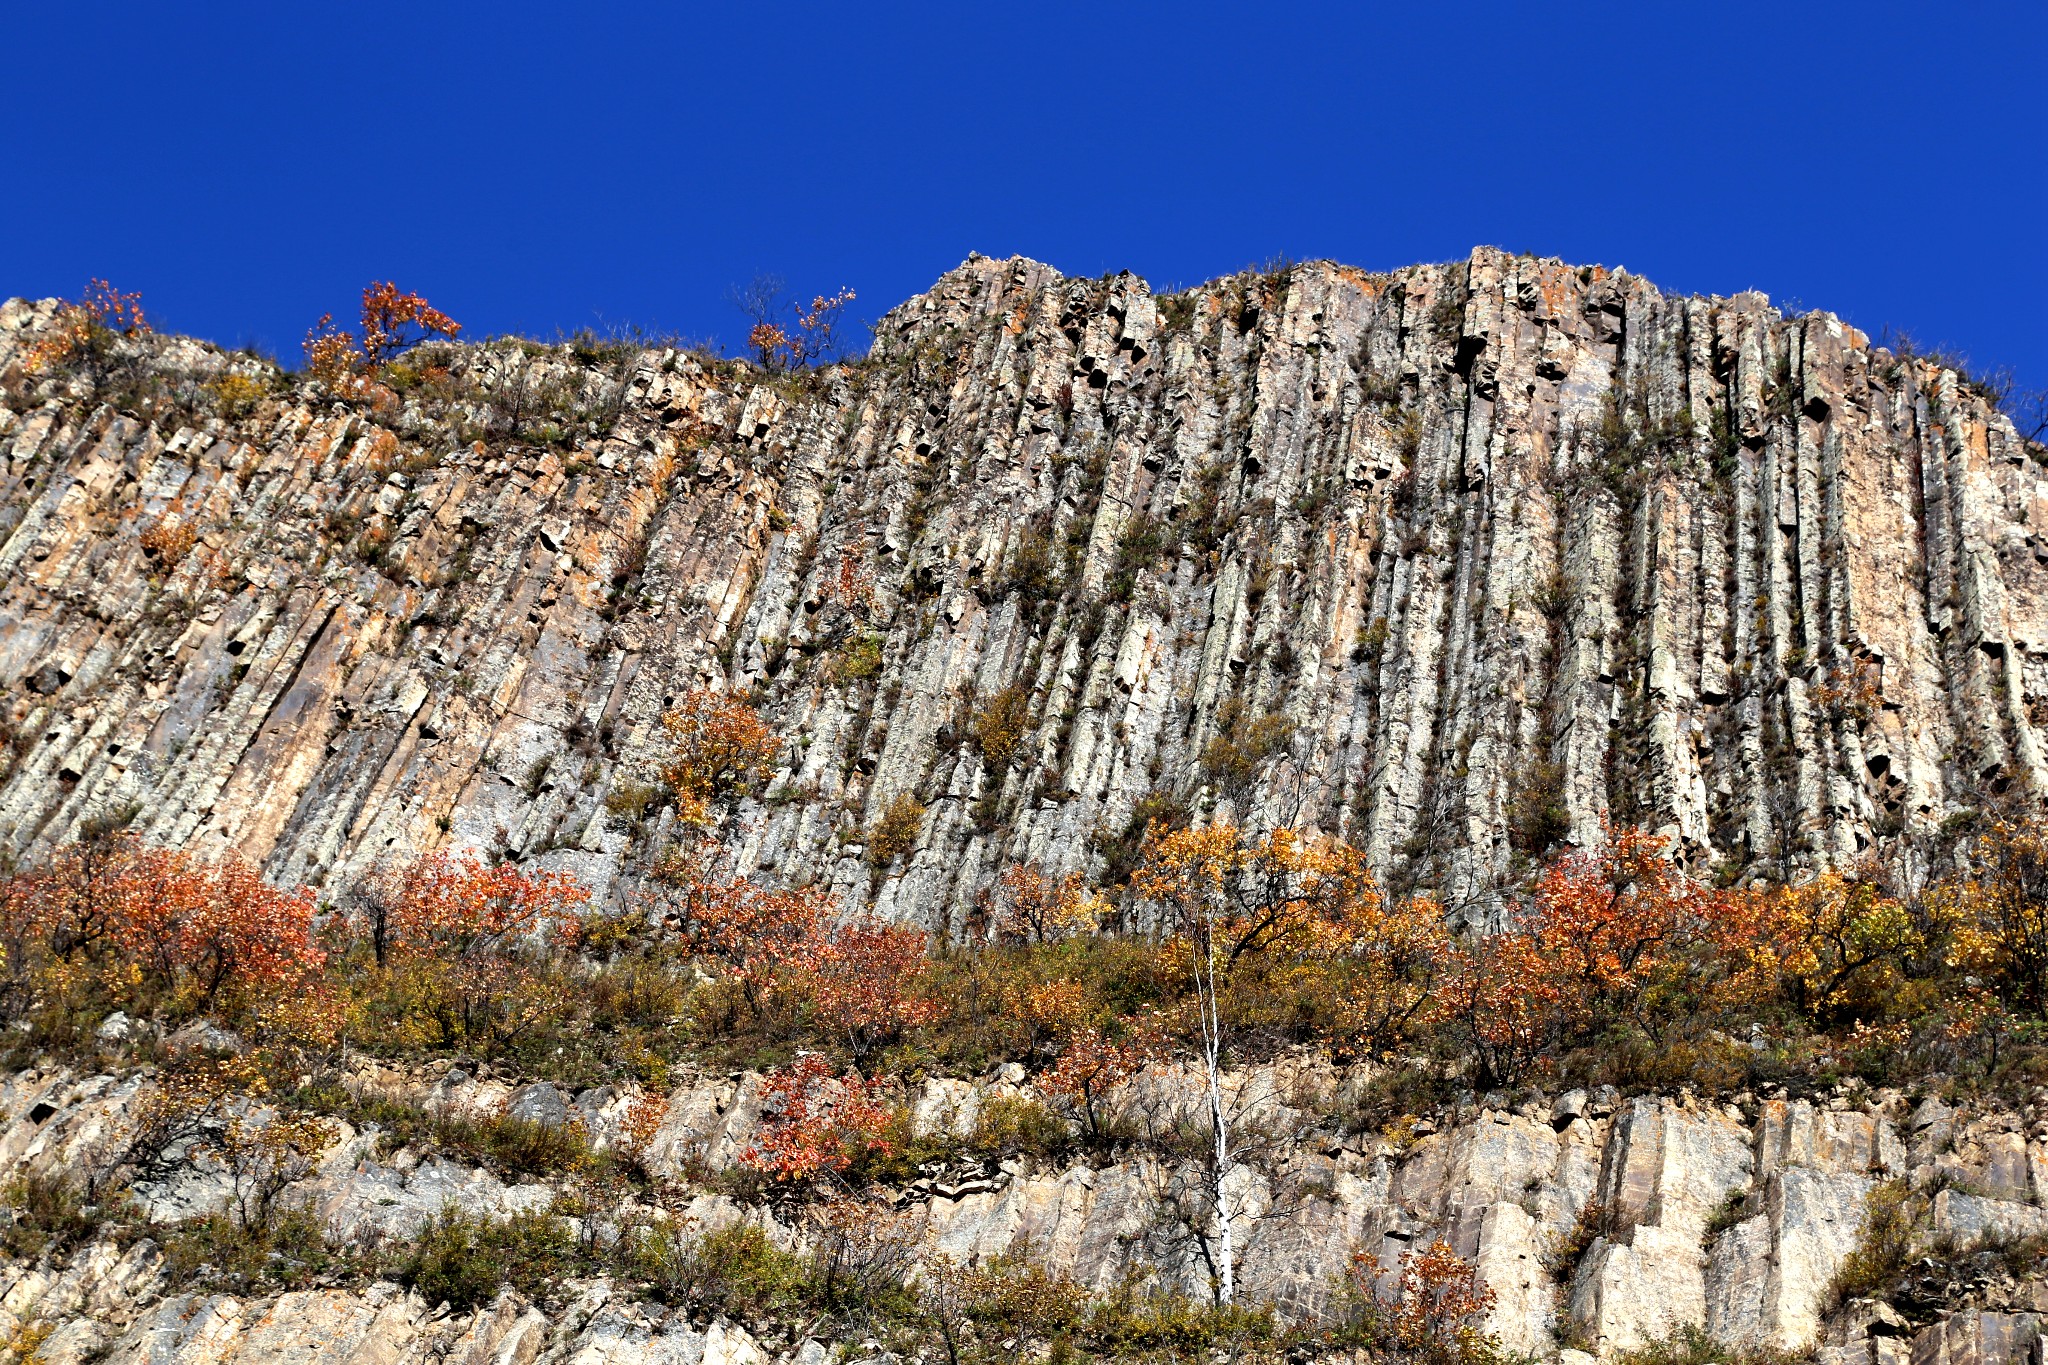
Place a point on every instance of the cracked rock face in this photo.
(1599, 1227)
(1454, 562)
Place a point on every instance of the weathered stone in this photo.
(1376, 504)
(1978, 1339)
(1972, 1218)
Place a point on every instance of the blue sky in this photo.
(545, 167)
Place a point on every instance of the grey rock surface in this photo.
(1510, 545)
(1700, 1218)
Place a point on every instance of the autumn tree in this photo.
(1435, 1307)
(200, 928)
(865, 982)
(852, 586)
(84, 333)
(997, 727)
(717, 745)
(1501, 999)
(786, 334)
(455, 905)
(189, 930)
(1382, 963)
(1232, 900)
(1092, 1065)
(68, 907)
(2000, 911)
(815, 1123)
(219, 1110)
(1614, 925)
(463, 932)
(755, 934)
(1845, 946)
(392, 322)
(1026, 906)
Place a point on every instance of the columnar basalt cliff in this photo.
(1455, 562)
(1459, 563)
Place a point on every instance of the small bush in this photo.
(1143, 544)
(1564, 1252)
(895, 833)
(525, 1146)
(1130, 1322)
(1010, 1124)
(288, 1249)
(168, 541)
(1233, 758)
(1031, 573)
(1538, 819)
(628, 803)
(860, 660)
(1692, 1346)
(1000, 724)
(48, 1216)
(1884, 1247)
(236, 395)
(463, 1261)
(733, 1271)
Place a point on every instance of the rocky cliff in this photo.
(1454, 561)
(1600, 1224)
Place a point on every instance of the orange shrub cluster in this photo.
(1616, 956)
(445, 949)
(852, 586)
(154, 926)
(461, 941)
(1434, 1310)
(815, 1123)
(859, 980)
(169, 540)
(392, 322)
(100, 313)
(811, 336)
(717, 745)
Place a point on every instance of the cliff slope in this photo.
(1452, 561)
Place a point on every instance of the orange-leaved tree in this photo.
(866, 981)
(463, 933)
(1846, 944)
(1027, 906)
(816, 1123)
(755, 934)
(202, 928)
(718, 744)
(1092, 1065)
(1434, 1311)
(1499, 993)
(393, 321)
(84, 331)
(785, 334)
(1998, 917)
(1238, 903)
(1614, 926)
(67, 908)
(186, 930)
(1613, 935)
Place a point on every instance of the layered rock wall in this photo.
(1455, 562)
(1599, 1224)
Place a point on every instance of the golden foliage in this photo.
(718, 744)
(101, 312)
(169, 539)
(999, 723)
(895, 831)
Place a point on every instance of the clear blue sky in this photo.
(538, 167)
